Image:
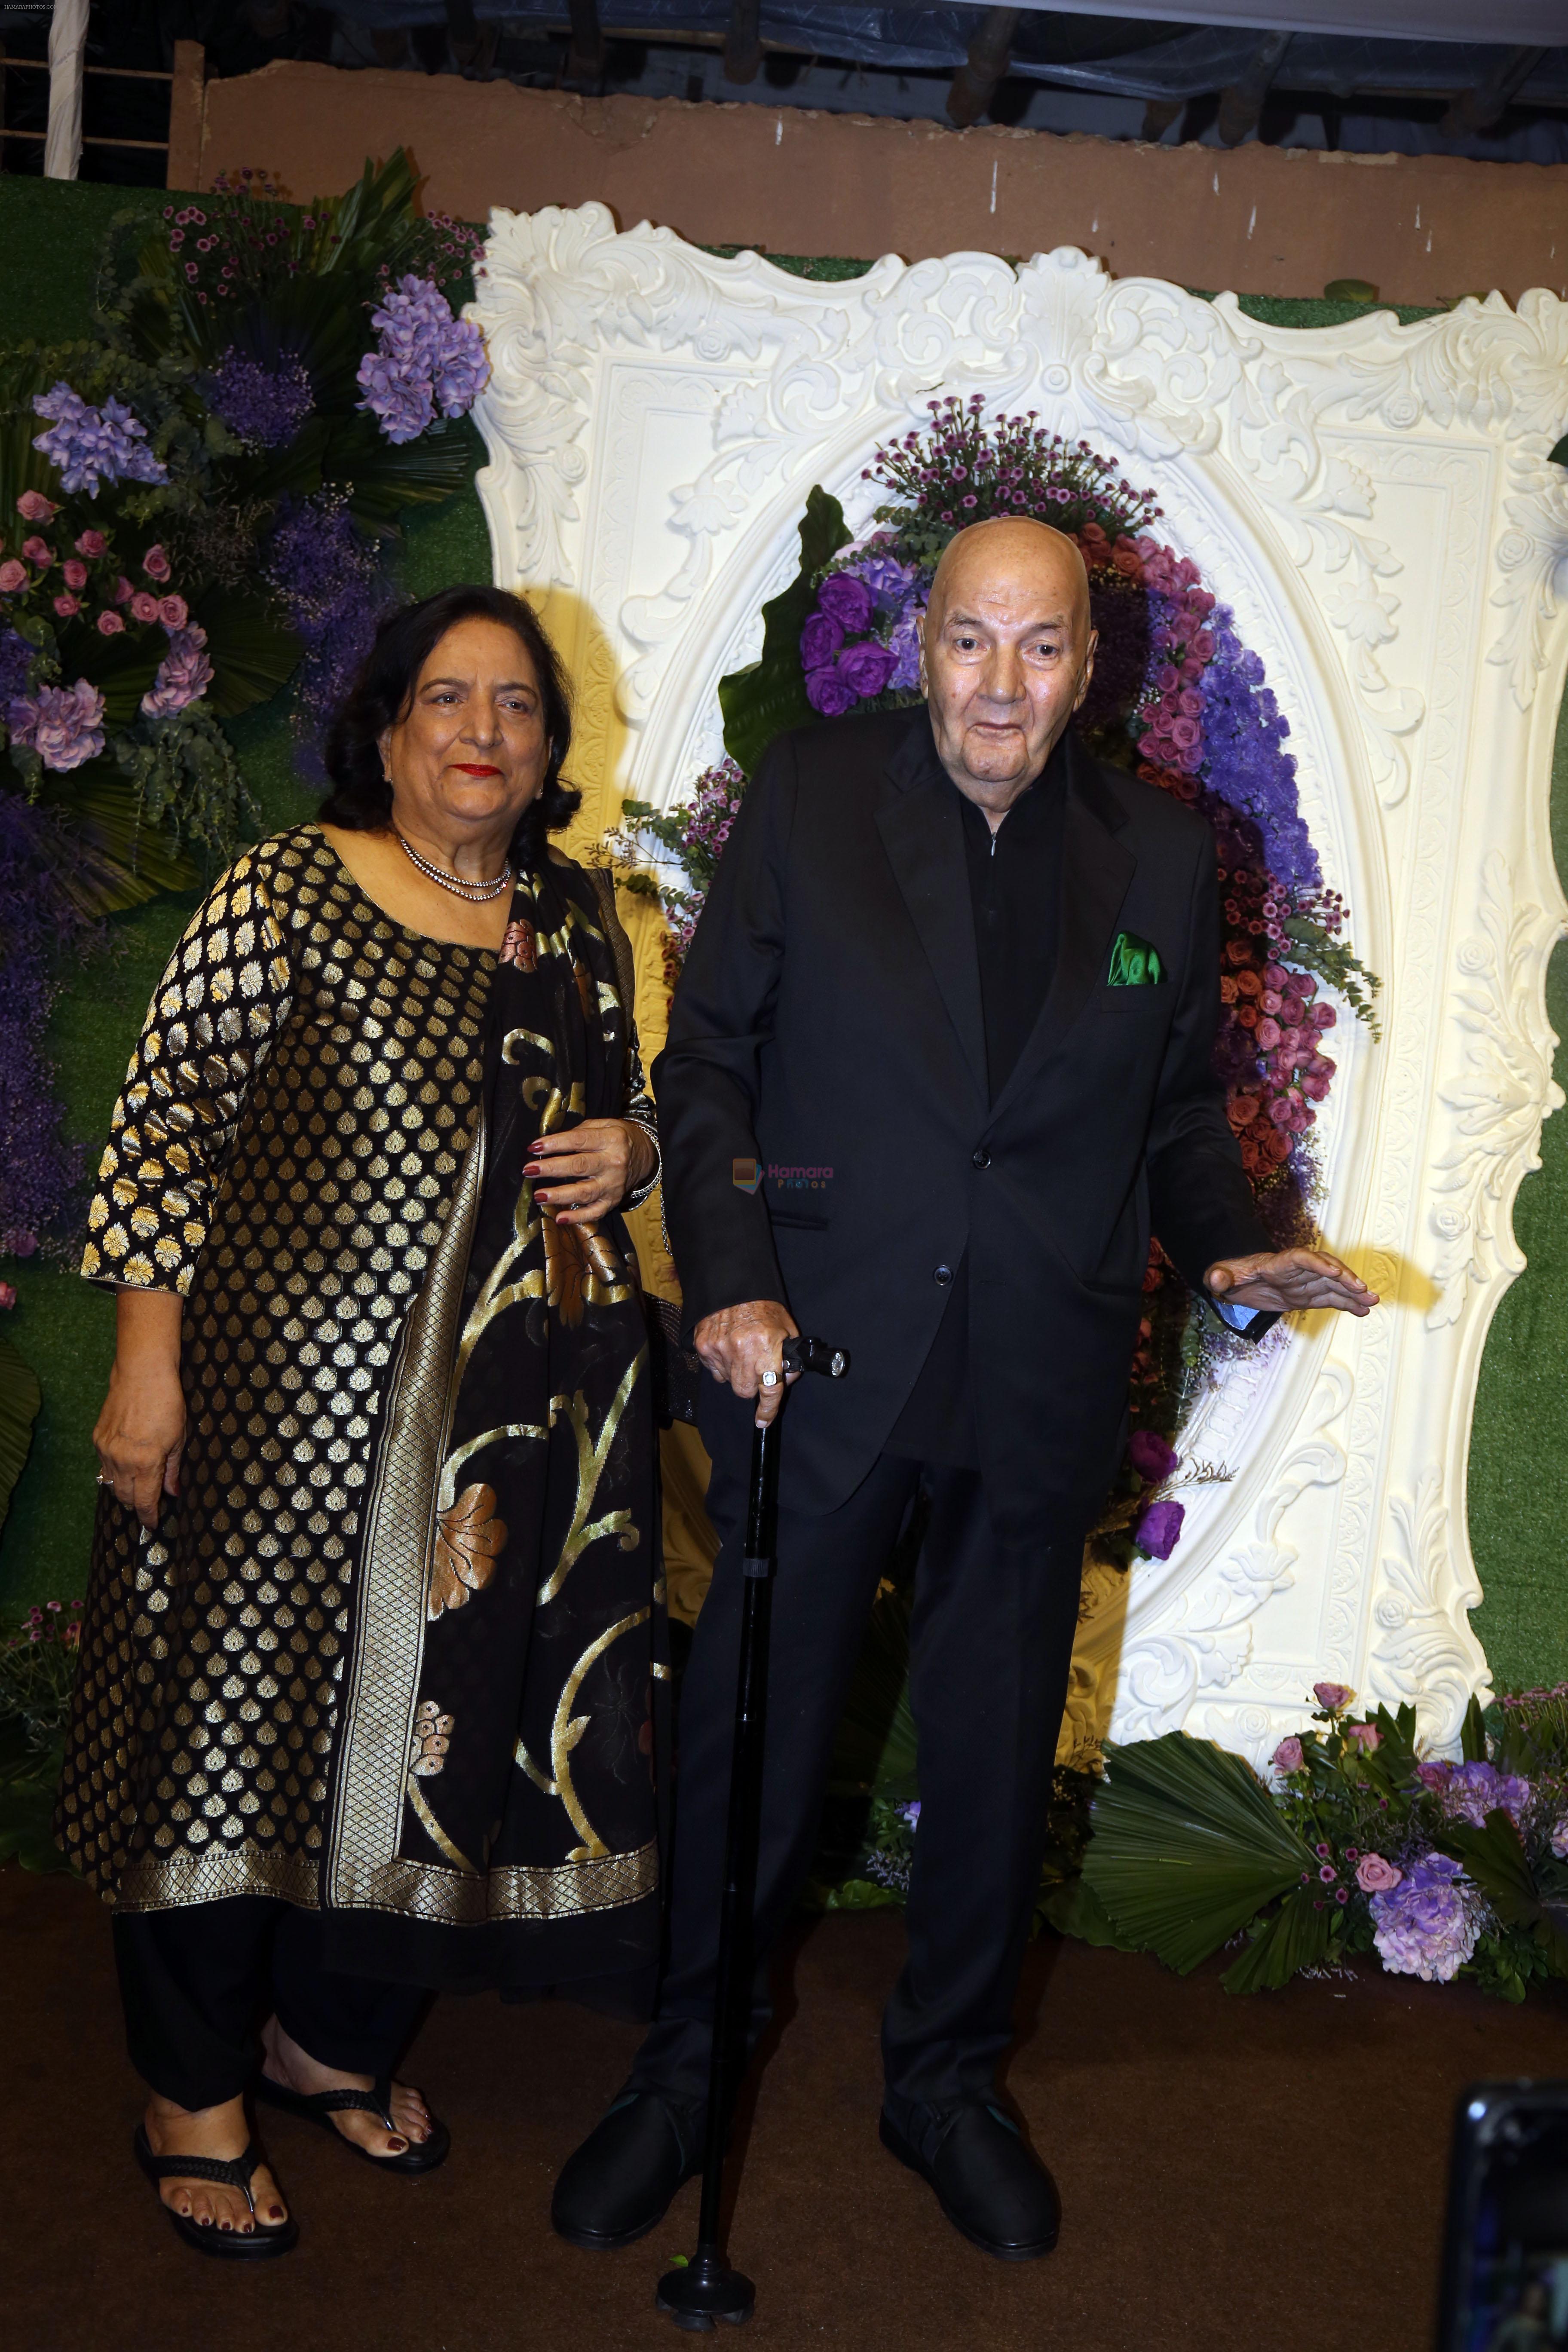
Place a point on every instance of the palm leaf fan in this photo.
(252, 651)
(1187, 1846)
(381, 478)
(126, 861)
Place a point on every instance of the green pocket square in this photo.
(1135, 963)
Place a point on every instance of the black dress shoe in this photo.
(988, 2180)
(617, 2186)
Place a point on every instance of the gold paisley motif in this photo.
(468, 1542)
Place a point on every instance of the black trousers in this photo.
(992, 1643)
(197, 1981)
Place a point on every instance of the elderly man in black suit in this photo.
(905, 981)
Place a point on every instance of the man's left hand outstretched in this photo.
(1284, 1282)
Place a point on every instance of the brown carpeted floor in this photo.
(1236, 2174)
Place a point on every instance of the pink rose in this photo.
(155, 563)
(76, 573)
(1365, 1735)
(173, 612)
(68, 606)
(1322, 1016)
(1289, 1756)
(1375, 1876)
(123, 591)
(7, 1295)
(110, 624)
(1330, 1696)
(92, 542)
(33, 506)
(143, 606)
(12, 576)
(1267, 1033)
(38, 550)
(1272, 1000)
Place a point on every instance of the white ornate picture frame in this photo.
(1377, 504)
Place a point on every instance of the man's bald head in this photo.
(1012, 546)
(1007, 654)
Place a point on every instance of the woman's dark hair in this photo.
(360, 799)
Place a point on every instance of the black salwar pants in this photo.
(197, 1983)
(992, 1638)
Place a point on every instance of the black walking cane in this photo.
(706, 2290)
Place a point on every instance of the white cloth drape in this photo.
(67, 57)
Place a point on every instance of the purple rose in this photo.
(64, 724)
(830, 691)
(1150, 1456)
(867, 668)
(1330, 1696)
(819, 641)
(1157, 1531)
(846, 600)
(1289, 1756)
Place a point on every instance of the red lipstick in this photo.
(464, 769)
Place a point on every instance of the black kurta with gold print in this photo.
(415, 1407)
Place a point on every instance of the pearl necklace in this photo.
(476, 893)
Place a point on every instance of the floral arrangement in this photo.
(1177, 697)
(194, 506)
(37, 1667)
(1360, 1844)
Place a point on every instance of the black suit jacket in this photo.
(828, 1024)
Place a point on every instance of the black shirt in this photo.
(1015, 889)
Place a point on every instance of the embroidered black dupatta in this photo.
(494, 1810)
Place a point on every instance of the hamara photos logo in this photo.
(746, 1175)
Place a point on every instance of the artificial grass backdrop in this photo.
(50, 234)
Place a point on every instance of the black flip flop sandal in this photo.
(263, 2244)
(320, 2107)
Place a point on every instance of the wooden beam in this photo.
(743, 41)
(989, 53)
(187, 111)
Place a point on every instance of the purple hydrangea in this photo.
(16, 660)
(264, 406)
(1159, 1530)
(334, 592)
(893, 584)
(904, 644)
(1244, 734)
(183, 675)
(1471, 1792)
(63, 724)
(94, 446)
(1425, 1926)
(423, 358)
(38, 919)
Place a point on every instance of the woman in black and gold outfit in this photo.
(364, 1706)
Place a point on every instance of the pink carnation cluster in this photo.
(1173, 733)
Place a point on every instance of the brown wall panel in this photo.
(1260, 220)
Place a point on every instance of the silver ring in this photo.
(770, 1379)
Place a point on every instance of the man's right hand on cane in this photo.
(744, 1346)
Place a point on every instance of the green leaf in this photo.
(1295, 1938)
(131, 860)
(19, 1402)
(1495, 1858)
(1073, 1908)
(1188, 1847)
(1473, 1732)
(768, 697)
(381, 478)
